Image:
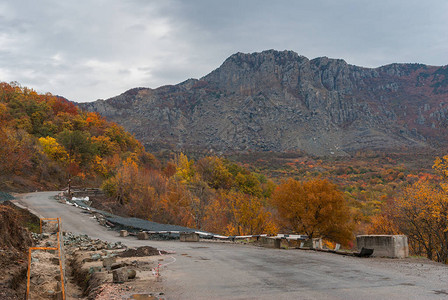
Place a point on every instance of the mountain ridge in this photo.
(282, 101)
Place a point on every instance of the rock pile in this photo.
(84, 242)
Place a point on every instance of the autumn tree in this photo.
(383, 222)
(216, 217)
(53, 149)
(441, 166)
(185, 171)
(421, 212)
(16, 148)
(77, 144)
(124, 183)
(315, 208)
(247, 215)
(176, 206)
(214, 172)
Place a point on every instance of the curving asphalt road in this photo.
(212, 270)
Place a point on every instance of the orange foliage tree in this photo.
(383, 222)
(315, 208)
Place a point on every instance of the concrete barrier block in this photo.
(189, 237)
(315, 243)
(270, 242)
(143, 236)
(393, 246)
(290, 243)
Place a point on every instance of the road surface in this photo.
(213, 270)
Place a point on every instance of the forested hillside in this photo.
(45, 140)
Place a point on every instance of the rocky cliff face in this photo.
(281, 101)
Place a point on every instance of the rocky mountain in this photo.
(282, 101)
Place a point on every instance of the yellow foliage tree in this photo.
(185, 172)
(53, 149)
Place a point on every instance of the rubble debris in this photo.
(83, 242)
(94, 270)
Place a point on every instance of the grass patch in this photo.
(32, 226)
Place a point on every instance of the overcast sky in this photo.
(87, 50)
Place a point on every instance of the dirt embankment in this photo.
(15, 240)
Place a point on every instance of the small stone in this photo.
(95, 256)
(108, 261)
(116, 266)
(55, 260)
(38, 280)
(120, 275)
(131, 273)
(94, 269)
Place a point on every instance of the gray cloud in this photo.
(85, 50)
